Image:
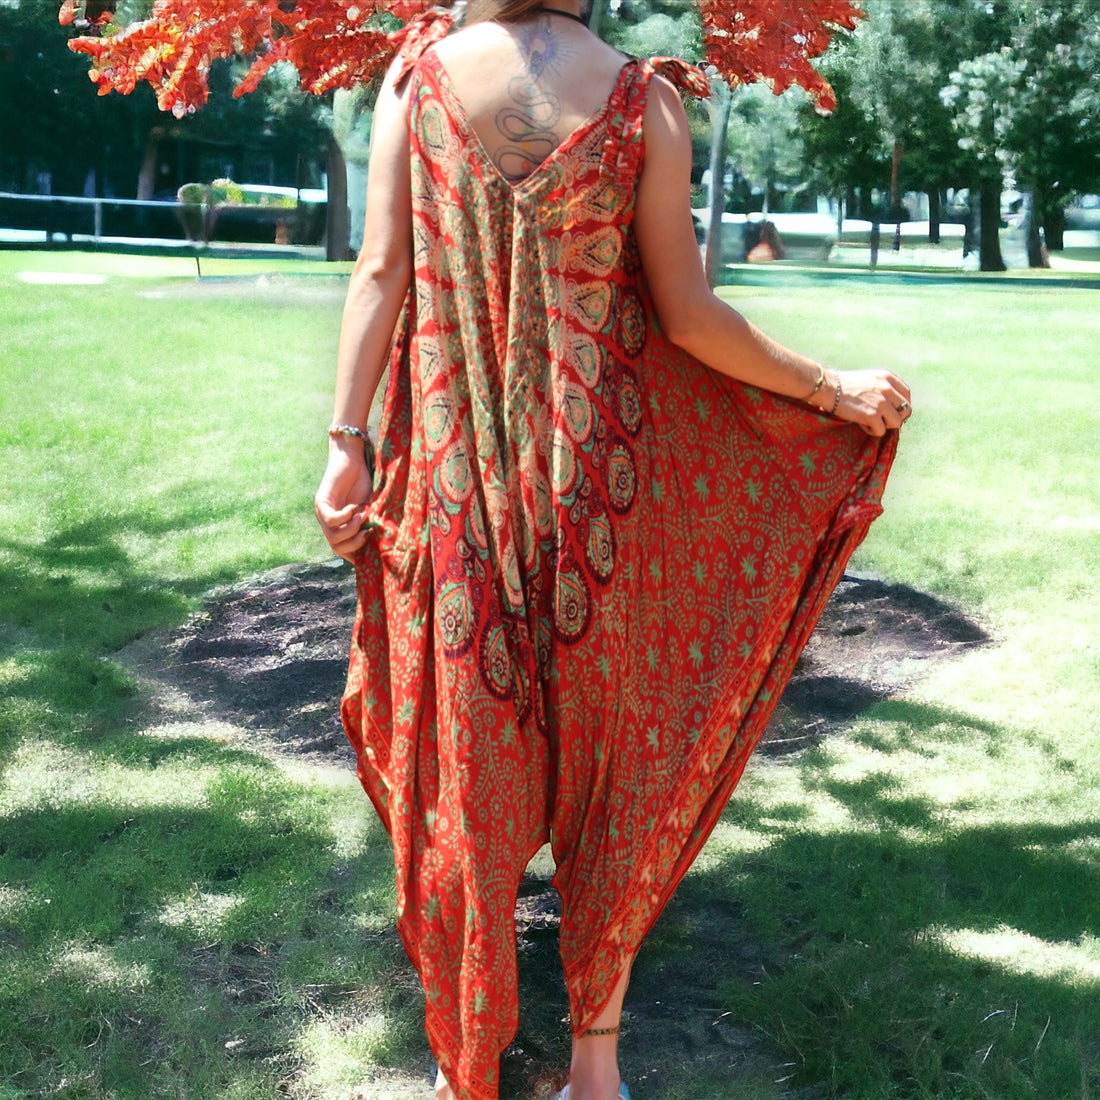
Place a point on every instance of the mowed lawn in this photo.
(915, 903)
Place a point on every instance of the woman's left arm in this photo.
(379, 283)
(708, 328)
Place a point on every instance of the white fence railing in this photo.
(97, 218)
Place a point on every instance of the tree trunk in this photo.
(1054, 227)
(719, 103)
(337, 219)
(1036, 250)
(973, 217)
(895, 189)
(990, 243)
(147, 174)
(934, 216)
(596, 16)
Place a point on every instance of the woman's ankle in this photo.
(594, 1069)
(443, 1091)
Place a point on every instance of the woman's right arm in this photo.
(697, 320)
(379, 283)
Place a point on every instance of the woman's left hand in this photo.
(876, 400)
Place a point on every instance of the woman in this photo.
(587, 561)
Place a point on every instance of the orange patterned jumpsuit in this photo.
(592, 565)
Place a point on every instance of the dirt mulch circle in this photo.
(268, 657)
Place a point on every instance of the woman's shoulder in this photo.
(682, 75)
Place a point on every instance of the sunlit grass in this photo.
(912, 905)
(1075, 964)
(136, 266)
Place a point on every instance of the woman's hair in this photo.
(478, 11)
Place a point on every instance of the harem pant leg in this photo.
(476, 818)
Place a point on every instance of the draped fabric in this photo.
(593, 562)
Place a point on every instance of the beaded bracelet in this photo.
(836, 397)
(347, 429)
(357, 433)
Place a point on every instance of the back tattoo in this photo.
(528, 123)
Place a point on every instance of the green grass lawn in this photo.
(912, 908)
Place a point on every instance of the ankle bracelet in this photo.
(603, 1030)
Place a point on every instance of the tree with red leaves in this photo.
(346, 43)
(342, 43)
(775, 41)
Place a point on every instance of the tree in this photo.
(765, 143)
(353, 118)
(898, 132)
(719, 105)
(1054, 135)
(982, 92)
(50, 139)
(845, 152)
(55, 136)
(930, 39)
(892, 130)
(747, 41)
(331, 44)
(343, 43)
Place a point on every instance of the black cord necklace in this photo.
(568, 15)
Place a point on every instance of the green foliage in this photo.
(648, 28)
(675, 31)
(1054, 138)
(55, 123)
(764, 141)
(982, 94)
(193, 194)
(53, 120)
(964, 90)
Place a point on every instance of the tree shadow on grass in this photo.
(874, 639)
(893, 956)
(900, 957)
(177, 951)
(69, 602)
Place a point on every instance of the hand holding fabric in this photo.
(876, 400)
(342, 497)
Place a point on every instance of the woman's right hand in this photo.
(876, 400)
(342, 497)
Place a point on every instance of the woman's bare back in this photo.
(526, 86)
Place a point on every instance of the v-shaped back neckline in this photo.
(573, 138)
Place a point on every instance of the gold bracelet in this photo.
(818, 384)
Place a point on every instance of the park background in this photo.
(905, 904)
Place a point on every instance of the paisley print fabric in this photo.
(593, 563)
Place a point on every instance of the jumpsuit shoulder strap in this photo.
(416, 37)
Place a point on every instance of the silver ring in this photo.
(903, 406)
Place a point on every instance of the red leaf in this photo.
(775, 40)
(331, 44)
